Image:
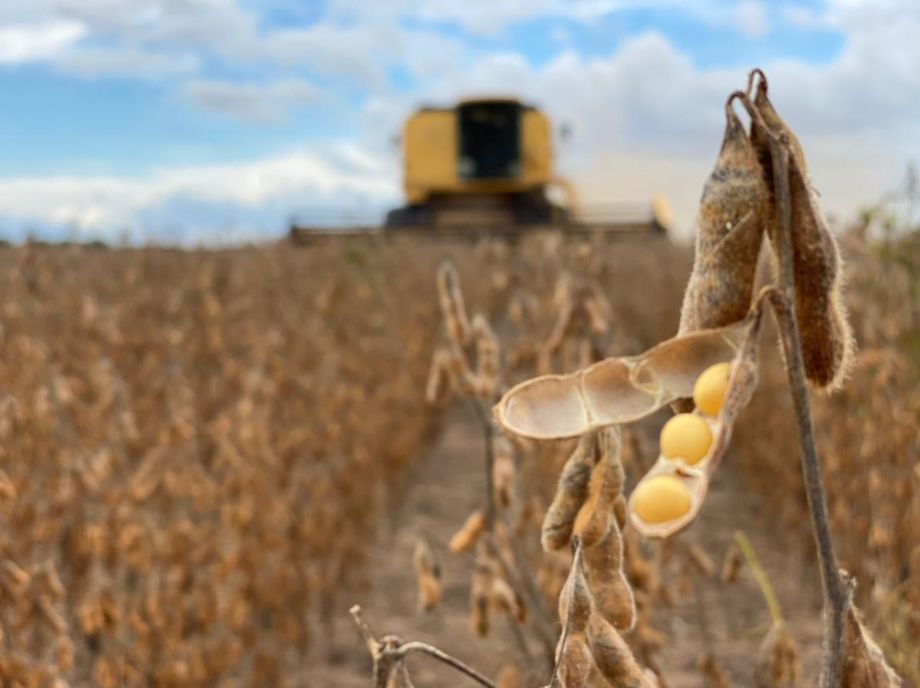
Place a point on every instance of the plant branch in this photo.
(544, 626)
(488, 431)
(576, 561)
(432, 651)
(835, 597)
(389, 654)
(530, 588)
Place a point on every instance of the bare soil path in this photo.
(445, 486)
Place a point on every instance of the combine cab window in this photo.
(490, 140)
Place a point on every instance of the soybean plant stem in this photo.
(836, 598)
(388, 654)
(488, 431)
(576, 562)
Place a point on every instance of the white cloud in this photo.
(27, 43)
(646, 119)
(269, 102)
(333, 177)
(127, 62)
(751, 18)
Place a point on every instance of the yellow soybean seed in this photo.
(687, 437)
(709, 390)
(661, 499)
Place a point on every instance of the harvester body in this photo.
(487, 165)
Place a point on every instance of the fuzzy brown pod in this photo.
(730, 227)
(437, 388)
(503, 471)
(469, 533)
(505, 600)
(864, 664)
(571, 492)
(827, 340)
(428, 575)
(594, 517)
(613, 656)
(670, 495)
(613, 596)
(480, 597)
(575, 603)
(453, 310)
(508, 677)
(576, 663)
(616, 390)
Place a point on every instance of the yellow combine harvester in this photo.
(487, 166)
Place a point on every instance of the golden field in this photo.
(200, 448)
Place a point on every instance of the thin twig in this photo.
(488, 431)
(763, 581)
(519, 640)
(835, 597)
(388, 656)
(576, 561)
(530, 586)
(544, 625)
(372, 644)
(432, 651)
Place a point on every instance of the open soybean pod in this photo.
(670, 495)
(616, 391)
(827, 341)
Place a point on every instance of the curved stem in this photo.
(442, 656)
(836, 599)
(387, 656)
(488, 431)
(576, 562)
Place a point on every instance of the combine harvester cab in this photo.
(486, 167)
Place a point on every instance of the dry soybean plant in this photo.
(708, 373)
(179, 433)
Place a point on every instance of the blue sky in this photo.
(200, 120)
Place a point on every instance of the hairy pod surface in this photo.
(575, 604)
(730, 228)
(864, 664)
(596, 514)
(613, 656)
(827, 340)
(571, 492)
(613, 596)
(576, 663)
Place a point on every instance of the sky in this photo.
(201, 121)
